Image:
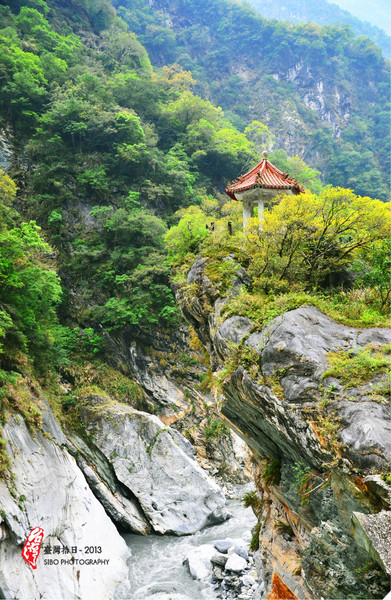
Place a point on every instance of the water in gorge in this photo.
(156, 563)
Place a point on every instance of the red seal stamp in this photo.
(32, 546)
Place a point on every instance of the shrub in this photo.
(354, 368)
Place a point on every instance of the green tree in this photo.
(373, 268)
(260, 135)
(307, 238)
(187, 236)
(296, 167)
(29, 289)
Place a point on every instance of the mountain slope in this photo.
(324, 12)
(377, 12)
(304, 81)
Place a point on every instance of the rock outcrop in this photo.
(152, 462)
(48, 490)
(121, 466)
(169, 373)
(317, 445)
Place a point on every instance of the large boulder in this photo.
(48, 490)
(367, 433)
(174, 493)
(235, 563)
(199, 561)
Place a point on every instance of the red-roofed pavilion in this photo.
(258, 186)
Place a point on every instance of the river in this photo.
(156, 563)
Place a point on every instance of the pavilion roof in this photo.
(264, 175)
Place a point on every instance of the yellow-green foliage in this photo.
(356, 368)
(298, 255)
(16, 396)
(215, 429)
(97, 377)
(306, 238)
(251, 499)
(240, 355)
(205, 228)
(348, 308)
(5, 463)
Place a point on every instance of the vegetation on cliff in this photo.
(112, 149)
(325, 12)
(328, 250)
(29, 289)
(109, 143)
(304, 81)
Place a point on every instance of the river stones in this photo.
(219, 559)
(199, 561)
(223, 545)
(236, 563)
(240, 551)
(230, 569)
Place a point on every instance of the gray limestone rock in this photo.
(183, 443)
(232, 330)
(223, 545)
(199, 561)
(121, 507)
(219, 559)
(50, 491)
(367, 433)
(281, 404)
(379, 487)
(122, 511)
(248, 580)
(175, 494)
(270, 426)
(298, 342)
(236, 563)
(6, 151)
(240, 551)
(373, 533)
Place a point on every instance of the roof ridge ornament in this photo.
(265, 154)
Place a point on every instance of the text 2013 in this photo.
(92, 549)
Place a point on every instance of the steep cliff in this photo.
(321, 444)
(173, 377)
(117, 468)
(46, 489)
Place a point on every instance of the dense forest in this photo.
(324, 13)
(123, 261)
(106, 148)
(109, 145)
(303, 81)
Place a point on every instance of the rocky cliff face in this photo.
(307, 99)
(170, 373)
(320, 449)
(118, 467)
(155, 466)
(48, 490)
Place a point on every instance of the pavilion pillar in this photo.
(261, 208)
(247, 212)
